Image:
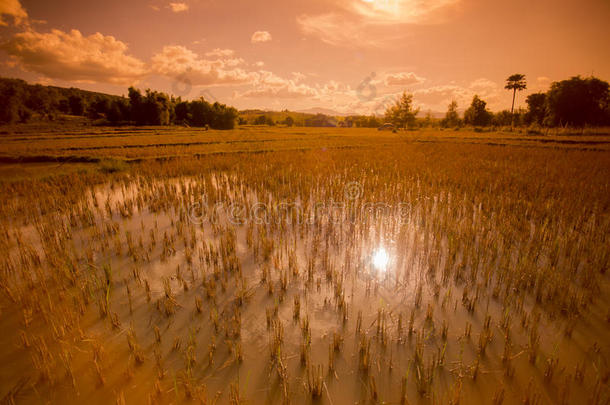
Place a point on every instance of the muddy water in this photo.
(152, 235)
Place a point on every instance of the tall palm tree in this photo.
(515, 82)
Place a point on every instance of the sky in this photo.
(351, 56)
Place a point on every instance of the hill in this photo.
(325, 111)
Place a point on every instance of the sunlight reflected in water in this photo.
(380, 259)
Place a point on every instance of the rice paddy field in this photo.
(303, 266)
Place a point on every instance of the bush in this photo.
(112, 165)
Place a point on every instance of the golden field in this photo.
(299, 265)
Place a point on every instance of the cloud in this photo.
(438, 97)
(298, 76)
(182, 63)
(542, 83)
(403, 79)
(13, 9)
(483, 85)
(390, 12)
(270, 85)
(369, 23)
(335, 29)
(178, 7)
(260, 36)
(220, 52)
(72, 56)
(290, 90)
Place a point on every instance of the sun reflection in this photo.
(380, 259)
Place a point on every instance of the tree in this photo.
(153, 108)
(515, 83)
(319, 120)
(502, 118)
(536, 108)
(452, 118)
(402, 114)
(289, 121)
(39, 100)
(137, 106)
(99, 108)
(427, 121)
(203, 114)
(11, 94)
(477, 114)
(77, 107)
(578, 102)
(260, 120)
(118, 111)
(372, 122)
(200, 112)
(157, 107)
(20, 100)
(223, 117)
(182, 114)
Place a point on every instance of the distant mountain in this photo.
(433, 114)
(325, 111)
(334, 113)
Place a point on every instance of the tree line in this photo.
(312, 120)
(23, 102)
(575, 102)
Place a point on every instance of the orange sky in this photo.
(346, 55)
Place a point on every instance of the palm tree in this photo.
(515, 82)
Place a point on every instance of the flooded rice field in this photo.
(330, 288)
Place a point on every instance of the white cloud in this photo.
(403, 79)
(298, 76)
(178, 61)
(335, 29)
(178, 7)
(290, 90)
(220, 52)
(72, 56)
(355, 23)
(438, 97)
(13, 9)
(484, 85)
(260, 36)
(270, 85)
(389, 12)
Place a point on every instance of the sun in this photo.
(380, 259)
